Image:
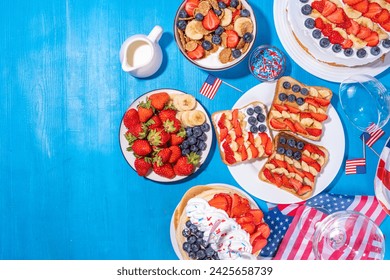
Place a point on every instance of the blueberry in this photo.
(201, 254)
(199, 17)
(289, 153)
(209, 251)
(219, 30)
(291, 142)
(300, 145)
(262, 127)
(217, 12)
(187, 246)
(207, 45)
(181, 24)
(282, 140)
(222, 5)
(205, 127)
(336, 48)
(248, 37)
(186, 232)
(306, 9)
(188, 223)
(250, 111)
(296, 88)
(193, 229)
(386, 43)
(192, 255)
(280, 150)
(348, 52)
(185, 151)
(254, 129)
(191, 140)
(234, 3)
(203, 137)
(202, 146)
(245, 13)
(286, 85)
(309, 23)
(324, 42)
(291, 98)
(189, 131)
(300, 101)
(375, 51)
(216, 39)
(258, 110)
(304, 1)
(361, 53)
(235, 53)
(195, 247)
(194, 148)
(197, 132)
(201, 242)
(185, 144)
(297, 155)
(215, 256)
(183, 14)
(261, 117)
(304, 91)
(316, 34)
(191, 239)
(252, 120)
(282, 96)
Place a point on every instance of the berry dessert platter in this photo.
(218, 222)
(165, 135)
(342, 32)
(215, 34)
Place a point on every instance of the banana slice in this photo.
(196, 117)
(179, 116)
(184, 102)
(342, 32)
(243, 25)
(351, 12)
(184, 118)
(365, 22)
(357, 43)
(191, 31)
(227, 17)
(382, 34)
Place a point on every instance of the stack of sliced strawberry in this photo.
(250, 220)
(154, 135)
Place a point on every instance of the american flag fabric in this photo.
(210, 86)
(299, 221)
(355, 166)
(372, 134)
(382, 178)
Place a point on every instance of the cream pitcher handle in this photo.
(155, 34)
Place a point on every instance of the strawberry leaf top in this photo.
(193, 158)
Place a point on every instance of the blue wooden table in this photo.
(66, 191)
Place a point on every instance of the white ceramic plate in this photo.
(308, 62)
(246, 174)
(172, 232)
(129, 155)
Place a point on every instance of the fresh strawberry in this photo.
(178, 138)
(254, 151)
(264, 138)
(158, 137)
(162, 156)
(236, 200)
(382, 17)
(313, 149)
(251, 138)
(373, 9)
(338, 16)
(351, 2)
(263, 229)
(290, 125)
(141, 147)
(219, 202)
(228, 138)
(257, 216)
(185, 165)
(159, 100)
(307, 159)
(197, 53)
(279, 163)
(131, 118)
(165, 170)
(258, 244)
(243, 152)
(299, 128)
(138, 130)
(292, 109)
(354, 28)
(309, 176)
(319, 117)
(329, 8)
(246, 218)
(361, 6)
(347, 44)
(275, 124)
(221, 121)
(373, 39)
(298, 172)
(280, 108)
(319, 23)
(305, 115)
(236, 123)
(249, 227)
(322, 101)
(145, 111)
(142, 165)
(311, 101)
(269, 147)
(347, 23)
(229, 201)
(285, 180)
(278, 180)
(386, 26)
(167, 114)
(295, 184)
(172, 126)
(232, 38)
(210, 21)
(318, 5)
(240, 209)
(336, 38)
(154, 122)
(268, 175)
(316, 166)
(190, 6)
(229, 154)
(327, 30)
(304, 190)
(223, 133)
(364, 32)
(175, 154)
(236, 14)
(314, 131)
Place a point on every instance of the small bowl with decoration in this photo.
(215, 34)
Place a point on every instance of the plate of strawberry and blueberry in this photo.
(165, 135)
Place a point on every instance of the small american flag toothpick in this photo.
(211, 86)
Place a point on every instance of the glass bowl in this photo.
(267, 63)
(348, 235)
(365, 101)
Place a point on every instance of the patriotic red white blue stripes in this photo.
(382, 178)
(373, 133)
(355, 166)
(210, 86)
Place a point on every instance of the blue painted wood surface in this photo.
(66, 191)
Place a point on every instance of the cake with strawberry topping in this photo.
(295, 165)
(344, 32)
(299, 108)
(243, 134)
(219, 222)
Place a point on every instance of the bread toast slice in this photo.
(299, 108)
(239, 135)
(295, 165)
